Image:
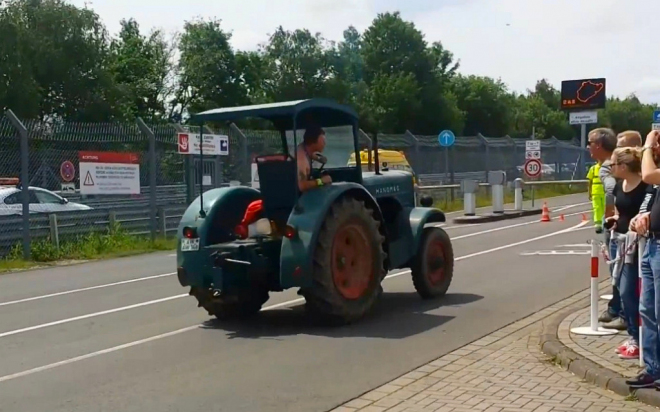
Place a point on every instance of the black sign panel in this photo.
(587, 94)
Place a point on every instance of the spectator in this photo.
(602, 142)
(596, 196)
(629, 193)
(629, 138)
(647, 224)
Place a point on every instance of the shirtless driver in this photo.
(313, 141)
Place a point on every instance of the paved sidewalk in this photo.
(502, 372)
(599, 349)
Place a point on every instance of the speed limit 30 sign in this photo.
(533, 168)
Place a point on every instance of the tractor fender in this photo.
(420, 216)
(296, 258)
(224, 209)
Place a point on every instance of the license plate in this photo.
(189, 245)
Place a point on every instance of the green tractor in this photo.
(336, 243)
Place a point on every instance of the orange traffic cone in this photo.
(545, 213)
(584, 217)
(561, 217)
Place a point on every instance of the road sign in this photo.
(532, 145)
(446, 138)
(589, 117)
(214, 144)
(68, 187)
(67, 171)
(655, 126)
(532, 154)
(533, 168)
(109, 173)
(656, 116)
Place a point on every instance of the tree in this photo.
(298, 66)
(392, 48)
(487, 105)
(54, 59)
(207, 72)
(142, 68)
(626, 114)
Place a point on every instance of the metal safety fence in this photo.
(49, 154)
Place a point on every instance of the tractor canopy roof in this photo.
(310, 112)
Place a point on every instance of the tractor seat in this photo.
(278, 184)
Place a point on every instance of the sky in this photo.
(519, 41)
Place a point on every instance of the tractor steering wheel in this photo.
(318, 157)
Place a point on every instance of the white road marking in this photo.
(13, 302)
(68, 292)
(587, 245)
(561, 208)
(497, 229)
(190, 328)
(125, 346)
(91, 315)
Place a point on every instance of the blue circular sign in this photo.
(446, 138)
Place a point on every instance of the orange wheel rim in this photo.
(435, 263)
(352, 261)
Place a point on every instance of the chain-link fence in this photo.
(48, 154)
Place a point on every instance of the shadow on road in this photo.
(396, 316)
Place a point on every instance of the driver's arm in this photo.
(304, 184)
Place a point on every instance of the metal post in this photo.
(153, 212)
(22, 133)
(593, 329)
(518, 194)
(583, 144)
(447, 164)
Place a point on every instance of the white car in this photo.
(41, 201)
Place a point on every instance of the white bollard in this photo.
(518, 194)
(469, 188)
(593, 329)
(640, 252)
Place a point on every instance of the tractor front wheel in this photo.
(349, 264)
(433, 266)
(234, 306)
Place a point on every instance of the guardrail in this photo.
(467, 190)
(68, 225)
(134, 216)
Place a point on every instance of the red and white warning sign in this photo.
(214, 144)
(109, 173)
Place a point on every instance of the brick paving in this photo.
(502, 372)
(599, 349)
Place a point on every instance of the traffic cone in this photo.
(584, 217)
(561, 217)
(545, 213)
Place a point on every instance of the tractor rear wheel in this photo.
(349, 264)
(234, 306)
(433, 266)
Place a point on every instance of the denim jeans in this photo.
(649, 307)
(629, 297)
(614, 306)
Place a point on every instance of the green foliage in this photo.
(57, 61)
(115, 242)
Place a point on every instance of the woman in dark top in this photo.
(629, 194)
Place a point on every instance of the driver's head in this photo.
(314, 139)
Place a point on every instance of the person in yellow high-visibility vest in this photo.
(597, 196)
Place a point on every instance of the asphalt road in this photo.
(122, 335)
